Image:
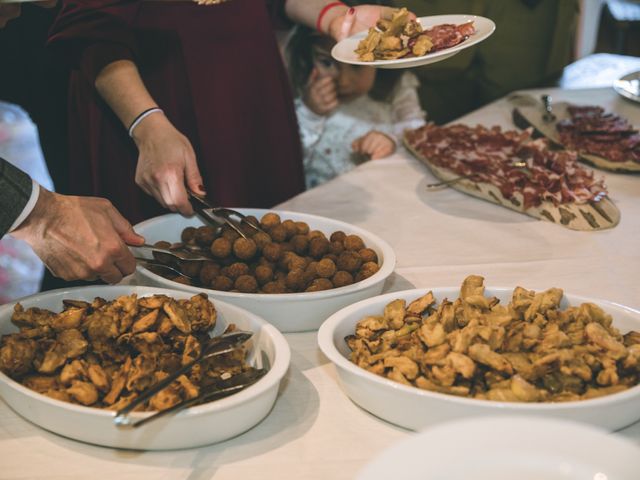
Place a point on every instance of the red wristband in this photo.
(324, 11)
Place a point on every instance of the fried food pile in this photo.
(528, 351)
(102, 354)
(400, 37)
(288, 258)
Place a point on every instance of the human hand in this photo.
(8, 12)
(166, 164)
(375, 144)
(358, 18)
(320, 94)
(80, 237)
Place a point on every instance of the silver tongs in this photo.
(222, 344)
(218, 216)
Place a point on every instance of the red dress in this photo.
(217, 73)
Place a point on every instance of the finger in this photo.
(347, 24)
(313, 76)
(176, 195)
(193, 178)
(332, 105)
(125, 262)
(124, 228)
(356, 145)
(111, 274)
(328, 85)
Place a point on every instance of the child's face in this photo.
(351, 80)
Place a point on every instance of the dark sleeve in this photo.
(92, 34)
(15, 191)
(279, 18)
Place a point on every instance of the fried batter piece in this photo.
(103, 354)
(393, 38)
(530, 350)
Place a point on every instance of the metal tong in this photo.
(222, 344)
(218, 216)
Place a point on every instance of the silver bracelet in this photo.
(141, 117)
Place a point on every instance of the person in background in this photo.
(532, 43)
(184, 95)
(343, 119)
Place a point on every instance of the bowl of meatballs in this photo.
(294, 271)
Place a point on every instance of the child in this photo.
(343, 119)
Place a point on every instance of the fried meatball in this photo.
(300, 244)
(286, 247)
(244, 248)
(294, 261)
(332, 257)
(311, 272)
(272, 252)
(295, 280)
(368, 255)
(221, 247)
(222, 283)
(319, 284)
(205, 235)
(261, 240)
(208, 272)
(273, 287)
(342, 279)
(316, 233)
(191, 269)
(318, 246)
(338, 236)
(349, 261)
(264, 274)
(336, 247)
(182, 280)
(367, 270)
(266, 263)
(246, 284)
(302, 228)
(188, 235)
(270, 220)
(162, 244)
(278, 233)
(353, 242)
(229, 233)
(236, 270)
(290, 227)
(326, 268)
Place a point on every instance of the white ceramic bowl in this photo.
(289, 312)
(413, 408)
(192, 427)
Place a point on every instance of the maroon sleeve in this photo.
(279, 18)
(91, 34)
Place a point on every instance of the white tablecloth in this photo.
(314, 430)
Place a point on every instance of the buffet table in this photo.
(314, 430)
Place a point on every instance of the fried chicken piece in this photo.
(178, 316)
(75, 370)
(98, 377)
(481, 353)
(70, 318)
(83, 392)
(30, 318)
(16, 355)
(41, 383)
(407, 367)
(394, 313)
(145, 322)
(597, 334)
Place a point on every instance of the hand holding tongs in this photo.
(225, 343)
(218, 216)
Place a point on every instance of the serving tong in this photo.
(219, 345)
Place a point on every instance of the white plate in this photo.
(629, 86)
(415, 409)
(522, 448)
(201, 425)
(289, 312)
(344, 51)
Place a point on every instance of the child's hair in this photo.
(300, 62)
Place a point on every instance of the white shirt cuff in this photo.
(28, 208)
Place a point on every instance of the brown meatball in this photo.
(278, 233)
(338, 236)
(286, 247)
(264, 274)
(236, 270)
(246, 284)
(208, 272)
(273, 287)
(300, 244)
(205, 235)
(353, 242)
(342, 279)
(316, 233)
(229, 233)
(270, 220)
(367, 270)
(162, 244)
(295, 280)
(188, 235)
(368, 255)
(332, 257)
(302, 227)
(221, 247)
(294, 261)
(311, 272)
(222, 283)
(272, 252)
(261, 240)
(248, 221)
(264, 262)
(244, 248)
(326, 268)
(318, 246)
(349, 261)
(191, 269)
(182, 280)
(336, 247)
(290, 227)
(319, 284)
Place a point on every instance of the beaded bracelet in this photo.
(324, 11)
(141, 117)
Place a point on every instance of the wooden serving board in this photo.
(600, 215)
(529, 113)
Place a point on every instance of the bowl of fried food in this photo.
(294, 273)
(71, 359)
(419, 357)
